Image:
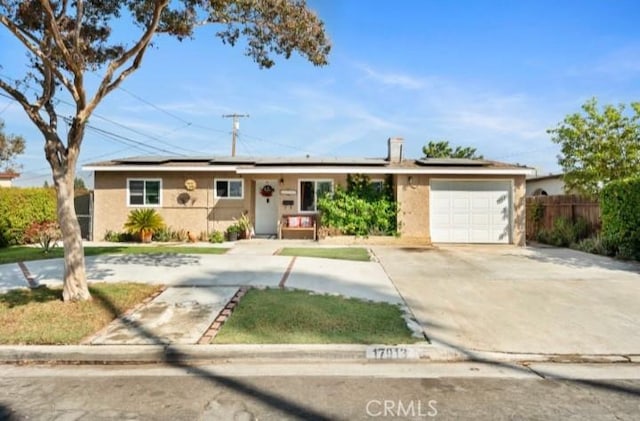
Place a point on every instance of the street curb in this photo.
(119, 354)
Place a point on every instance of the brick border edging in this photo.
(31, 280)
(88, 339)
(222, 317)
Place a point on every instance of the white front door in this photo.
(266, 207)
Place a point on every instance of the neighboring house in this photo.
(545, 185)
(6, 177)
(440, 200)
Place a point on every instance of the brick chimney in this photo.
(395, 150)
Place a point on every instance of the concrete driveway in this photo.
(520, 300)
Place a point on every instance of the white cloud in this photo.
(401, 80)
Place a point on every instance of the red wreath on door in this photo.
(267, 190)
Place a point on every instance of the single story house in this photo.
(440, 200)
(6, 178)
(546, 185)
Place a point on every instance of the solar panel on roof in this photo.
(143, 160)
(461, 162)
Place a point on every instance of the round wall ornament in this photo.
(267, 190)
(190, 184)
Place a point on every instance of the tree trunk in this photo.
(75, 280)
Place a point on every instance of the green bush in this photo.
(595, 245)
(564, 233)
(216, 237)
(163, 235)
(620, 206)
(360, 209)
(21, 207)
(118, 237)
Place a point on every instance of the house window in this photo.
(377, 186)
(144, 192)
(229, 188)
(311, 191)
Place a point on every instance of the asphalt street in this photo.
(254, 391)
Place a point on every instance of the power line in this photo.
(115, 136)
(108, 120)
(149, 103)
(6, 107)
(284, 145)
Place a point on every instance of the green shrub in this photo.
(360, 209)
(595, 245)
(45, 234)
(620, 206)
(216, 237)
(143, 223)
(163, 235)
(21, 207)
(118, 237)
(564, 233)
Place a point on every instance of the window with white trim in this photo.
(144, 192)
(229, 188)
(311, 191)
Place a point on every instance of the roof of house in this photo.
(308, 164)
(8, 175)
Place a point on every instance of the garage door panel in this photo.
(478, 219)
(470, 211)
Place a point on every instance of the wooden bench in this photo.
(297, 225)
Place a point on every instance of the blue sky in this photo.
(494, 75)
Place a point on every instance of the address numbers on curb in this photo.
(391, 353)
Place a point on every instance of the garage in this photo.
(470, 211)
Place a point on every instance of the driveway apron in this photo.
(520, 300)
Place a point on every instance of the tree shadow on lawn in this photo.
(24, 296)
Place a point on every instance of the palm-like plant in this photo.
(144, 222)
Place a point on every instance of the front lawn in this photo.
(23, 254)
(38, 316)
(274, 316)
(345, 253)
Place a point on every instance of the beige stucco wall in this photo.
(413, 217)
(4, 182)
(203, 212)
(413, 203)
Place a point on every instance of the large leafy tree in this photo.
(66, 39)
(10, 147)
(598, 146)
(442, 149)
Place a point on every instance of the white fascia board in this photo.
(160, 168)
(378, 170)
(315, 170)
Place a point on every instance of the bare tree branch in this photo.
(137, 50)
(52, 23)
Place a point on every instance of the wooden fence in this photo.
(543, 210)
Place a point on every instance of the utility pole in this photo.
(234, 132)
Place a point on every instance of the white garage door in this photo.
(470, 211)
